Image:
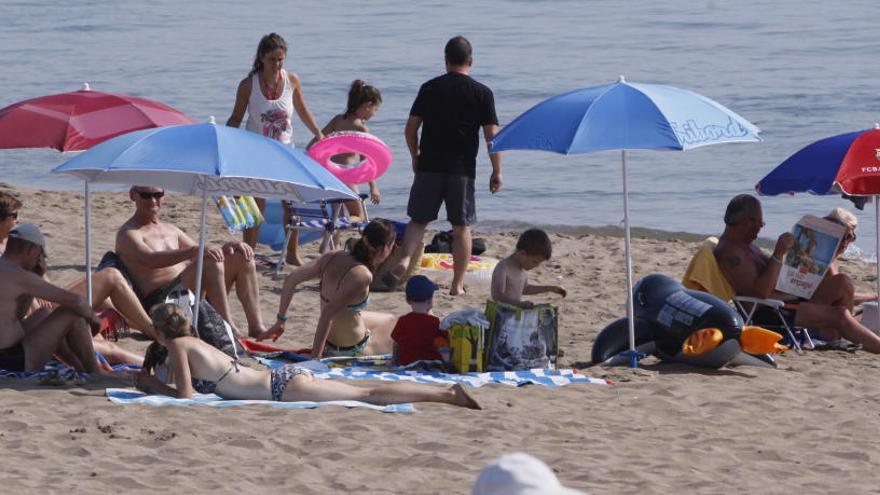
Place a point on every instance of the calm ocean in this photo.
(800, 70)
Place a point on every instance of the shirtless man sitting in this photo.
(753, 273)
(26, 343)
(159, 257)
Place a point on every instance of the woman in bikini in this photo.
(344, 328)
(196, 366)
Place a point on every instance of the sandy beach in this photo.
(807, 427)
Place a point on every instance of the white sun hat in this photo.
(519, 474)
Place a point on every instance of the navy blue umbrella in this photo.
(847, 164)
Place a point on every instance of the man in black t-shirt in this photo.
(450, 110)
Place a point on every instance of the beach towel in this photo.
(128, 396)
(704, 274)
(545, 377)
(59, 371)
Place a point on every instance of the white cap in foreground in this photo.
(519, 474)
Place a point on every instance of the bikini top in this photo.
(354, 308)
(207, 386)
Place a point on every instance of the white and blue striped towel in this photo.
(548, 378)
(128, 396)
(545, 377)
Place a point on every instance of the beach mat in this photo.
(128, 396)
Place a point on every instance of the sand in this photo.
(807, 427)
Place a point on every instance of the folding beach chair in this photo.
(324, 217)
(704, 274)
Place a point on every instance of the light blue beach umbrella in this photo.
(204, 159)
(625, 116)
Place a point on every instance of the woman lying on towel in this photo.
(197, 366)
(344, 328)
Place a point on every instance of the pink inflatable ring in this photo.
(377, 156)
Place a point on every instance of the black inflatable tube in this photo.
(666, 314)
(614, 338)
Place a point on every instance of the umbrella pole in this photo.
(200, 261)
(877, 250)
(88, 244)
(634, 358)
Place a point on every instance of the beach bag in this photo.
(442, 243)
(521, 339)
(467, 339)
(467, 347)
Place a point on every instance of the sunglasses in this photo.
(151, 195)
(13, 215)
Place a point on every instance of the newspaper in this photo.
(815, 243)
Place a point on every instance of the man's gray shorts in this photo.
(430, 189)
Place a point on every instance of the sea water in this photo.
(800, 70)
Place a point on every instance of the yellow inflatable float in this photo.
(438, 267)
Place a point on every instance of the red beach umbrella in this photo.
(78, 120)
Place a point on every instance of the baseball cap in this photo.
(420, 288)
(30, 233)
(519, 474)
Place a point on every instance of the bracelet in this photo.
(281, 317)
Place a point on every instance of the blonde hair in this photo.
(843, 217)
(171, 320)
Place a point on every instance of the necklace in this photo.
(273, 90)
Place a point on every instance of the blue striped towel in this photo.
(128, 396)
(545, 377)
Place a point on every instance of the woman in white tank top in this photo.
(270, 95)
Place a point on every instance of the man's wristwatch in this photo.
(281, 317)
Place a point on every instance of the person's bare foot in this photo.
(464, 398)
(255, 333)
(457, 291)
(293, 259)
(262, 334)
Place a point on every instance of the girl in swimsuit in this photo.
(196, 366)
(363, 102)
(344, 328)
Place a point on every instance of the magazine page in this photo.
(815, 242)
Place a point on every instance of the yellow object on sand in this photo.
(467, 343)
(757, 340)
(704, 274)
(439, 268)
(701, 341)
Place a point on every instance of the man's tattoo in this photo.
(734, 261)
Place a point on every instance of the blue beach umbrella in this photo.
(625, 116)
(847, 164)
(204, 159)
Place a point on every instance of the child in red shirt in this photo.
(415, 332)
